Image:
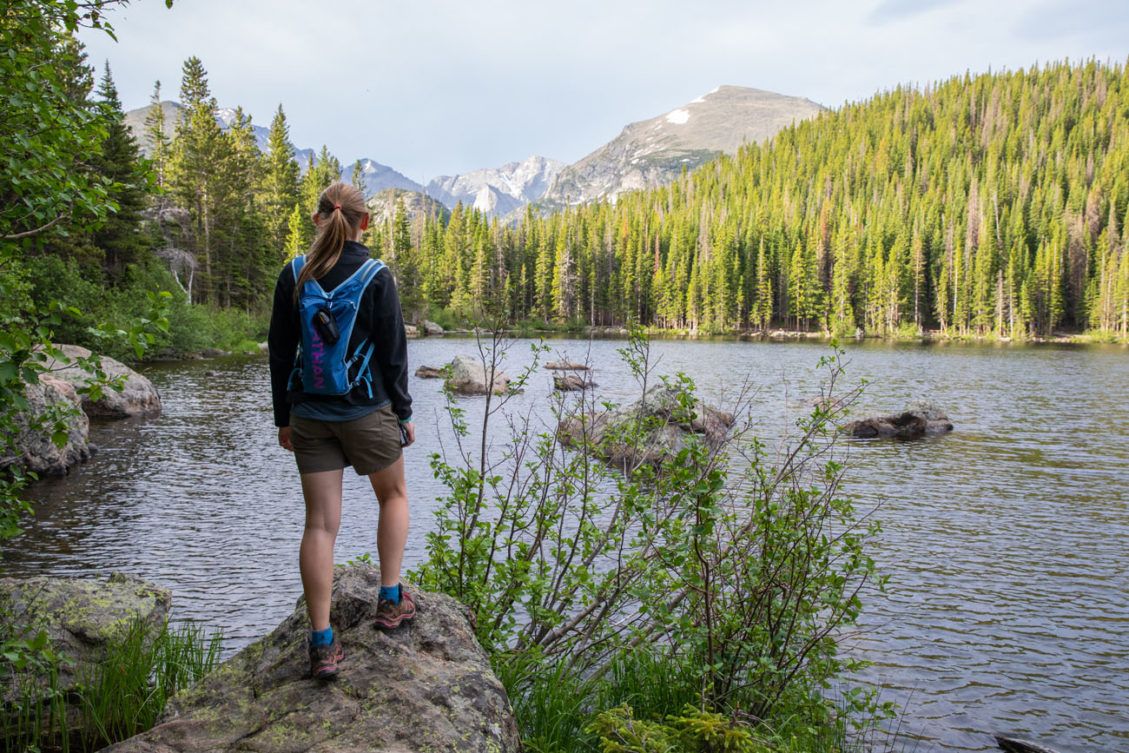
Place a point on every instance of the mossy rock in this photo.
(81, 616)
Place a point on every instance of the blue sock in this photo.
(321, 637)
(390, 593)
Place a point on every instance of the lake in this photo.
(1005, 541)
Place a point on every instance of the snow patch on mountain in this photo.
(678, 117)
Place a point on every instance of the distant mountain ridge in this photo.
(497, 190)
(647, 153)
(376, 178)
(652, 152)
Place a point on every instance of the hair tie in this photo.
(336, 206)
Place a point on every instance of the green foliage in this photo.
(700, 574)
(120, 696)
(691, 731)
(47, 124)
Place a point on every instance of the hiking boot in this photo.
(390, 616)
(324, 660)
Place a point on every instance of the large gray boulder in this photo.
(917, 421)
(138, 396)
(81, 616)
(426, 686)
(646, 431)
(431, 329)
(33, 448)
(468, 376)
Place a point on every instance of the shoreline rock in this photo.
(34, 450)
(138, 396)
(80, 615)
(430, 372)
(431, 329)
(426, 686)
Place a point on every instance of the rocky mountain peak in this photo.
(652, 152)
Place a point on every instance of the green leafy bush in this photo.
(705, 575)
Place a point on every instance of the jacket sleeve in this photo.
(391, 354)
(282, 343)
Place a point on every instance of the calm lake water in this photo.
(1007, 542)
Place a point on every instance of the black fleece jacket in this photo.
(379, 319)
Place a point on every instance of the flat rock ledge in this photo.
(80, 615)
(138, 396)
(426, 686)
(917, 421)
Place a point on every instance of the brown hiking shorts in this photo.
(370, 443)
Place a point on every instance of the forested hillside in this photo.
(989, 205)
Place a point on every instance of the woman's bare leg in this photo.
(315, 557)
(392, 531)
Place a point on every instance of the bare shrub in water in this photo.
(715, 568)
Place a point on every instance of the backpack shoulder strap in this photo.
(369, 270)
(296, 266)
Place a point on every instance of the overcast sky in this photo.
(433, 87)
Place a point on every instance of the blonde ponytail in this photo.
(341, 207)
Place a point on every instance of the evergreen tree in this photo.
(280, 184)
(156, 134)
(119, 161)
(195, 158)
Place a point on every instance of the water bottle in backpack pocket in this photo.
(324, 365)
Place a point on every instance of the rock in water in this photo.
(81, 615)
(564, 365)
(918, 420)
(468, 377)
(662, 428)
(431, 329)
(571, 383)
(426, 686)
(35, 450)
(429, 372)
(138, 396)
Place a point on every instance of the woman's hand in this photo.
(410, 428)
(284, 438)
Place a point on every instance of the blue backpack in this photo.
(323, 367)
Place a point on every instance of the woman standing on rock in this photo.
(343, 401)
